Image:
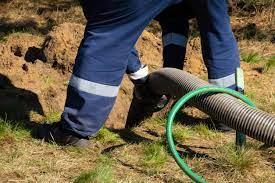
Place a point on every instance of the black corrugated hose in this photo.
(222, 107)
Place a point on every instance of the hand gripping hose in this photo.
(222, 107)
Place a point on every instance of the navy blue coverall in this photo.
(219, 48)
(107, 52)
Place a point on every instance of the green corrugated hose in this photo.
(169, 126)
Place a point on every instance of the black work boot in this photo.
(55, 133)
(145, 102)
(222, 127)
(219, 126)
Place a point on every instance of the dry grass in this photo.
(37, 17)
(26, 159)
(103, 173)
(105, 136)
(154, 156)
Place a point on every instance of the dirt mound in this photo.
(22, 56)
(61, 44)
(18, 46)
(32, 80)
(194, 61)
(150, 48)
(60, 48)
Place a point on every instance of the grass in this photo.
(47, 81)
(52, 117)
(103, 173)
(182, 133)
(270, 63)
(106, 136)
(251, 58)
(155, 121)
(204, 131)
(154, 156)
(231, 160)
(11, 131)
(245, 165)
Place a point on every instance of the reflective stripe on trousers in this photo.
(112, 30)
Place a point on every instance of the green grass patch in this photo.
(182, 133)
(251, 58)
(154, 156)
(11, 131)
(270, 64)
(52, 117)
(103, 173)
(155, 121)
(106, 136)
(231, 160)
(203, 130)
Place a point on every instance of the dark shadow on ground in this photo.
(130, 137)
(186, 119)
(250, 31)
(16, 104)
(43, 8)
(137, 113)
(56, 5)
(33, 54)
(26, 25)
(187, 151)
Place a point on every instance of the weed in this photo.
(232, 161)
(154, 155)
(52, 117)
(103, 173)
(182, 133)
(269, 64)
(106, 136)
(203, 130)
(156, 125)
(251, 58)
(155, 121)
(11, 131)
(47, 81)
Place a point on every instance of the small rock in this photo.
(17, 51)
(25, 67)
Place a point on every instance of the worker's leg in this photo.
(145, 102)
(219, 47)
(175, 28)
(112, 29)
(136, 71)
(175, 31)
